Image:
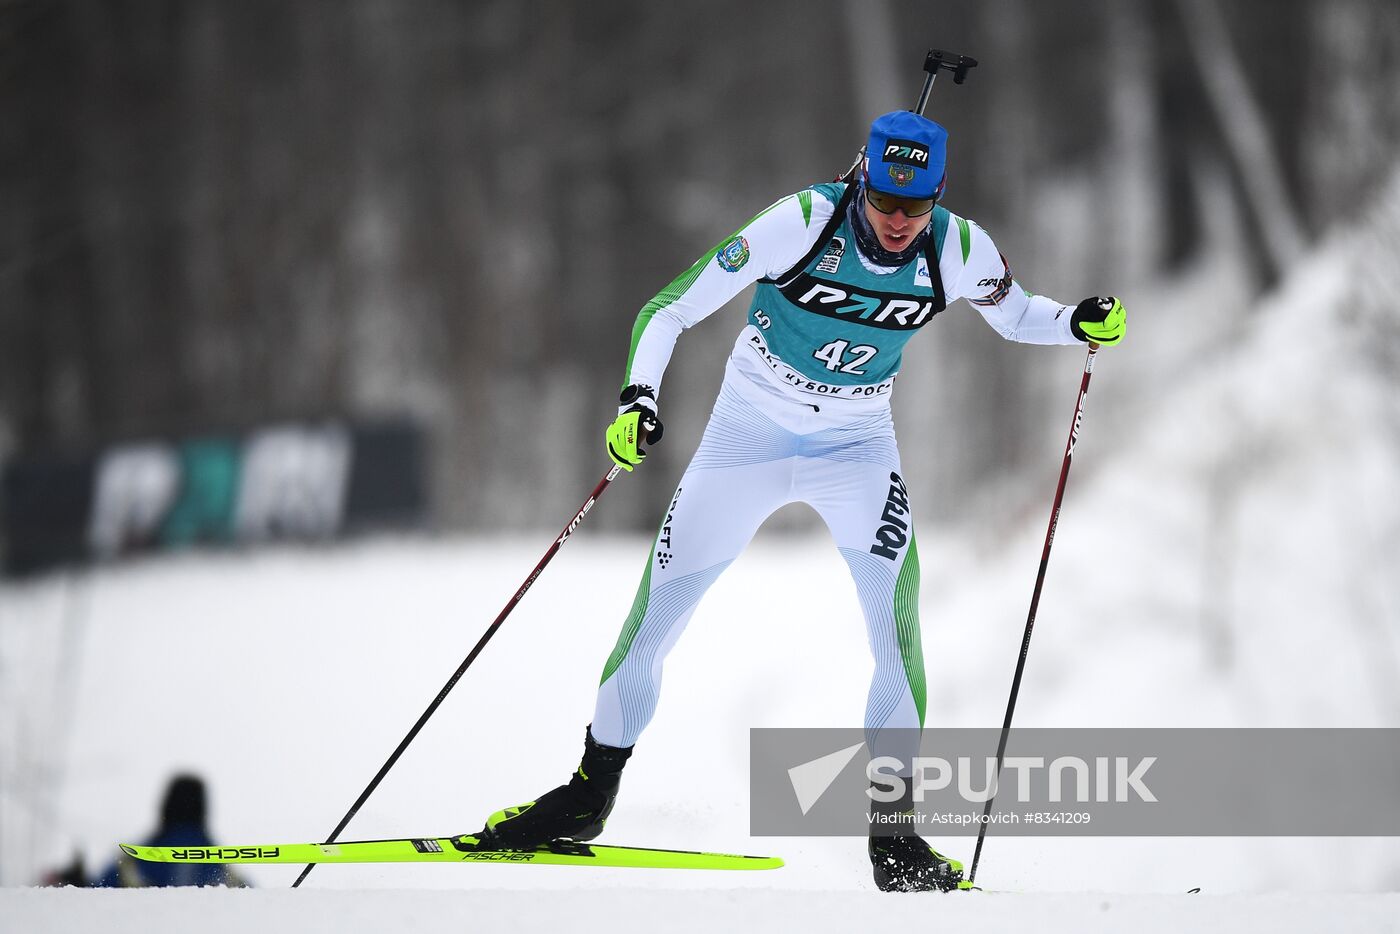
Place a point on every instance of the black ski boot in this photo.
(576, 811)
(907, 864)
(899, 857)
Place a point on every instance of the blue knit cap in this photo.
(907, 156)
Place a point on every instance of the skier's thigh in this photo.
(714, 514)
(866, 506)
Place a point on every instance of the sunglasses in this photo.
(888, 204)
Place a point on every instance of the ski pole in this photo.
(1035, 603)
(466, 663)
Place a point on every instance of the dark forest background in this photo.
(216, 214)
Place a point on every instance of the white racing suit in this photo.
(803, 416)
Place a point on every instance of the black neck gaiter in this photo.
(869, 243)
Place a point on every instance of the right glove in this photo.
(1103, 321)
(636, 422)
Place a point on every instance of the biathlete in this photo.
(847, 273)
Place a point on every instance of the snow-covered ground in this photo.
(1225, 558)
(220, 911)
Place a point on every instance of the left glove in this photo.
(1101, 320)
(636, 422)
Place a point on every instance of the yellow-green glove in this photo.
(636, 422)
(1101, 320)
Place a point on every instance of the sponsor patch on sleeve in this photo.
(994, 288)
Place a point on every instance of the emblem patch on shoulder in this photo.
(921, 276)
(902, 175)
(733, 254)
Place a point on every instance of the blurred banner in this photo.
(282, 482)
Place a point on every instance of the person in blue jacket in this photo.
(182, 823)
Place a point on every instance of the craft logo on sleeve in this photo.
(733, 254)
(999, 286)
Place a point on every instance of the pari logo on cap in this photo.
(906, 155)
(907, 152)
